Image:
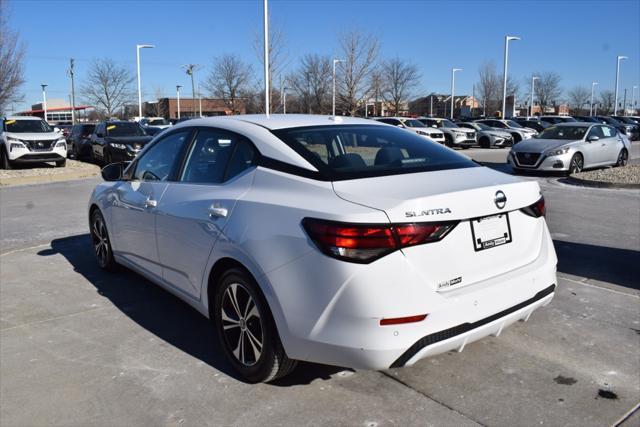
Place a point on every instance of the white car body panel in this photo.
(327, 310)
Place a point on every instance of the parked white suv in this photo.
(30, 140)
(415, 126)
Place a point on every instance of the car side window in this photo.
(596, 131)
(209, 156)
(158, 163)
(244, 157)
(608, 131)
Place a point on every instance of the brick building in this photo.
(168, 107)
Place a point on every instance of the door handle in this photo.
(217, 211)
(150, 203)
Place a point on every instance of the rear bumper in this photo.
(457, 337)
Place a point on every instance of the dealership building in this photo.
(58, 111)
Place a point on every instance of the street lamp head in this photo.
(535, 78)
(594, 83)
(509, 38)
(178, 87)
(43, 85)
(621, 57)
(145, 46)
(456, 69)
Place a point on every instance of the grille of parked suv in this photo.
(437, 135)
(528, 159)
(40, 145)
(470, 135)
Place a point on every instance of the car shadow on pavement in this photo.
(163, 314)
(616, 266)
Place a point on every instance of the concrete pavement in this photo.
(82, 347)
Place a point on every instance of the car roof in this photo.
(282, 121)
(22, 118)
(576, 124)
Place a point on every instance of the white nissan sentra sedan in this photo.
(334, 240)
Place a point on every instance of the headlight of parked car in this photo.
(61, 143)
(119, 146)
(557, 152)
(422, 133)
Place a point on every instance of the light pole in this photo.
(266, 58)
(633, 99)
(453, 87)
(333, 109)
(138, 47)
(284, 100)
(533, 83)
(507, 39)
(615, 105)
(190, 69)
(44, 100)
(178, 95)
(593, 85)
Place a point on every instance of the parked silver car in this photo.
(454, 136)
(415, 126)
(489, 137)
(519, 133)
(571, 147)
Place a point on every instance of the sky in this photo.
(578, 39)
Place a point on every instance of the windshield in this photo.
(564, 132)
(513, 124)
(26, 126)
(124, 129)
(447, 124)
(359, 151)
(157, 122)
(414, 124)
(481, 126)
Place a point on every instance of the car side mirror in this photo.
(113, 171)
(593, 138)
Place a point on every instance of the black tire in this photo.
(247, 323)
(623, 158)
(485, 142)
(5, 163)
(448, 141)
(61, 163)
(107, 159)
(73, 153)
(101, 242)
(576, 164)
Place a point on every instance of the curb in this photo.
(43, 179)
(598, 184)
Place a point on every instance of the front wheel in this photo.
(448, 140)
(485, 142)
(246, 329)
(576, 164)
(623, 158)
(5, 163)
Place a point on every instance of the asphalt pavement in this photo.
(79, 346)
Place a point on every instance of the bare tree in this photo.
(547, 89)
(108, 86)
(228, 80)
(607, 99)
(359, 51)
(312, 84)
(488, 87)
(278, 59)
(11, 62)
(400, 79)
(578, 97)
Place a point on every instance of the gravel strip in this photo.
(629, 174)
(45, 169)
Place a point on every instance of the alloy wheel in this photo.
(623, 158)
(576, 164)
(242, 324)
(100, 241)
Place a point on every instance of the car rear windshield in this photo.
(26, 126)
(564, 132)
(124, 129)
(359, 151)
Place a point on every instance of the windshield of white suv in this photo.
(26, 126)
(563, 132)
(124, 129)
(157, 122)
(359, 151)
(513, 124)
(414, 124)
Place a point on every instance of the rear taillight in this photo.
(364, 243)
(537, 209)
